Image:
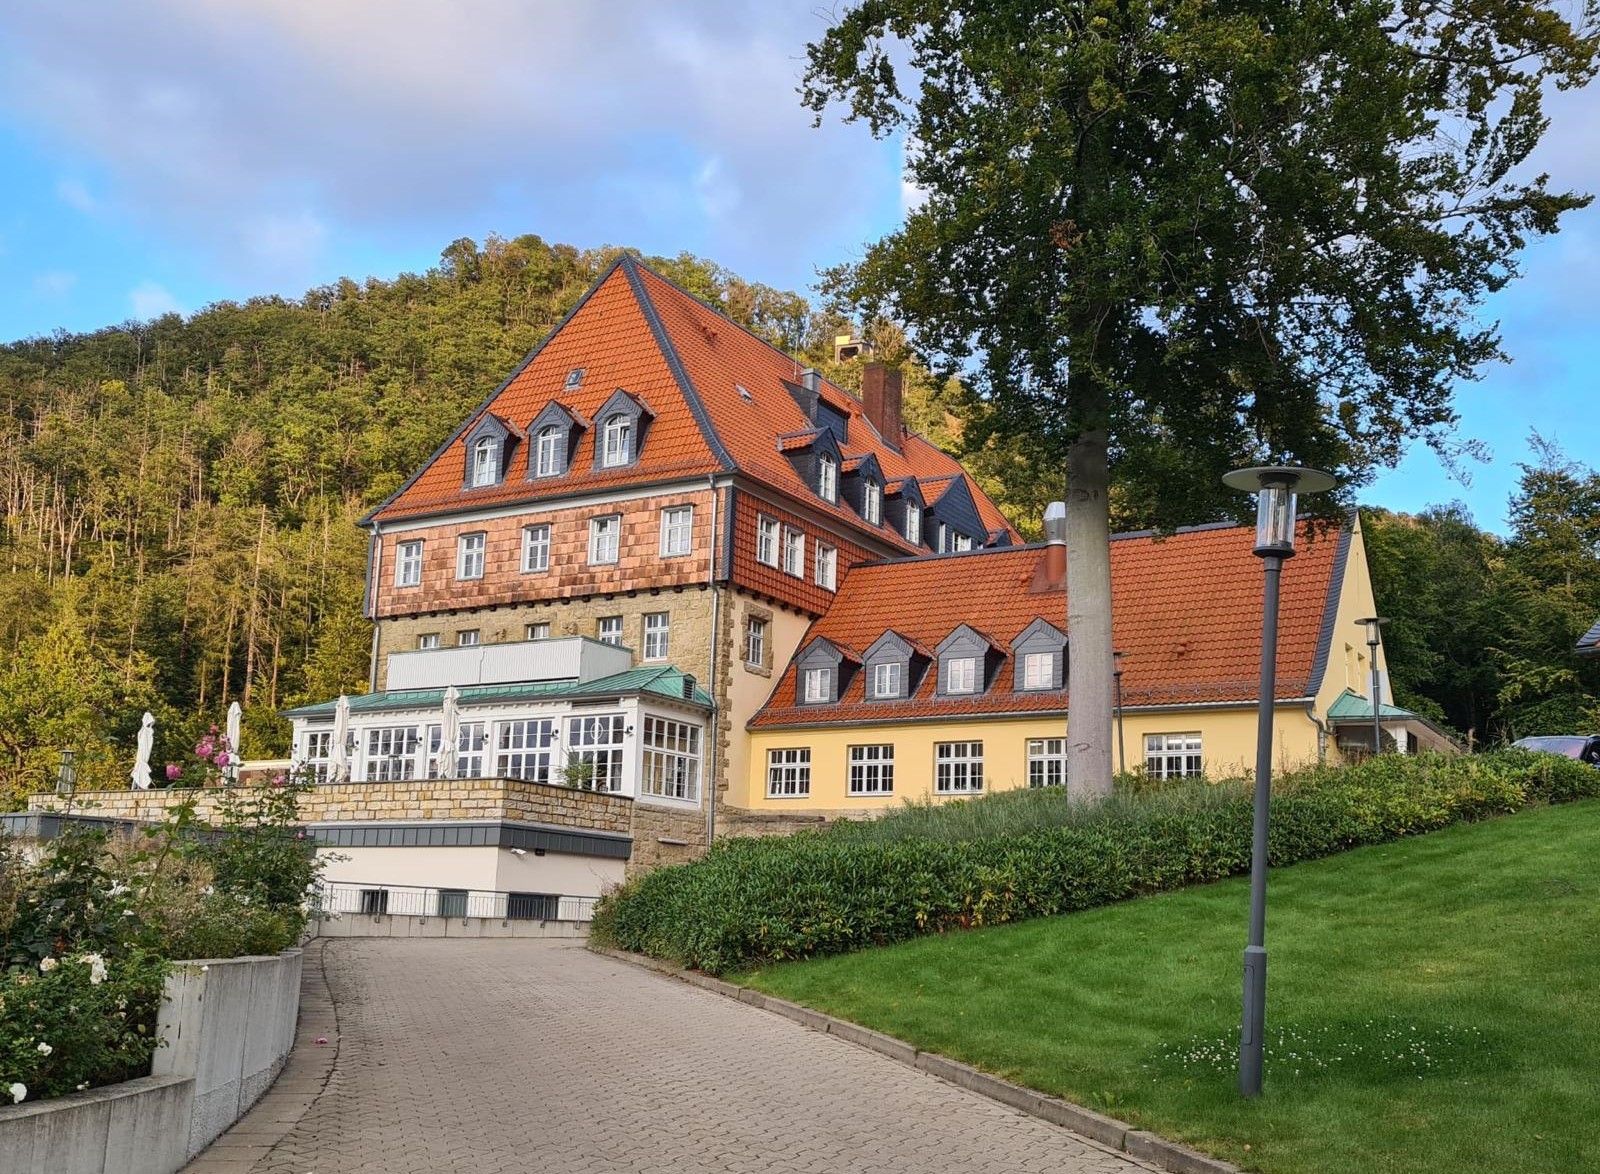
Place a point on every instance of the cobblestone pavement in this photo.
(513, 1056)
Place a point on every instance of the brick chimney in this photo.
(1051, 572)
(880, 399)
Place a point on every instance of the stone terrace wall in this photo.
(417, 799)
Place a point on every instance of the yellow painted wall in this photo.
(1348, 667)
(750, 686)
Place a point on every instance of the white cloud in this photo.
(56, 283)
(150, 300)
(74, 194)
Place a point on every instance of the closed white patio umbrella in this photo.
(141, 759)
(339, 761)
(449, 732)
(230, 772)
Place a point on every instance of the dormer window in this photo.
(961, 674)
(913, 523)
(1038, 657)
(547, 452)
(616, 437)
(892, 667)
(485, 462)
(816, 686)
(822, 673)
(1039, 670)
(966, 660)
(828, 477)
(872, 502)
(887, 678)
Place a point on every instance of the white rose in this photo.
(18, 1092)
(46, 965)
(44, 1049)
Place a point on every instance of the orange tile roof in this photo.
(636, 330)
(1186, 611)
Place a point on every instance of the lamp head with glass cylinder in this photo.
(1374, 627)
(1276, 487)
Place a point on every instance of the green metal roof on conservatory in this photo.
(1354, 707)
(661, 682)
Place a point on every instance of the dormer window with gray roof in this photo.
(554, 437)
(815, 457)
(1039, 658)
(828, 476)
(822, 673)
(488, 447)
(863, 487)
(903, 508)
(966, 661)
(619, 430)
(893, 666)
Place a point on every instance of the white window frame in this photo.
(1038, 670)
(827, 570)
(408, 563)
(872, 501)
(677, 530)
(671, 762)
(616, 438)
(608, 630)
(472, 555)
(766, 540)
(485, 462)
(547, 451)
(827, 477)
(1174, 756)
(525, 748)
(379, 742)
(913, 523)
(597, 739)
(789, 773)
(316, 753)
(427, 641)
(469, 638)
(794, 552)
(1047, 762)
(958, 768)
(815, 687)
(960, 675)
(539, 631)
(871, 769)
(657, 635)
(472, 748)
(887, 677)
(605, 540)
(536, 548)
(755, 642)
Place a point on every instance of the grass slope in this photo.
(1436, 1004)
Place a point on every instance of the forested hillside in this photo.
(181, 497)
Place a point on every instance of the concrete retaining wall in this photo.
(362, 925)
(229, 1025)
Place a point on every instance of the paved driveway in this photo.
(485, 1056)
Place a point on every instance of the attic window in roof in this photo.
(547, 452)
(574, 378)
(617, 436)
(744, 393)
(872, 502)
(485, 461)
(827, 477)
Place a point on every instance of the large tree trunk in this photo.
(1089, 679)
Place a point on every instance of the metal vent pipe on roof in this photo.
(1055, 533)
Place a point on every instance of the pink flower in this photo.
(204, 748)
(174, 773)
(279, 780)
(222, 759)
(213, 729)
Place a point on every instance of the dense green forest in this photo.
(180, 500)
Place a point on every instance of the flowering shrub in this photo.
(213, 753)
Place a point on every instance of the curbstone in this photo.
(1170, 1155)
(884, 1045)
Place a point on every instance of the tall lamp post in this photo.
(1122, 750)
(1374, 627)
(1275, 489)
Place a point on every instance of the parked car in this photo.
(1583, 747)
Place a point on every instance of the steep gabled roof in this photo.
(1186, 611)
(1589, 643)
(638, 331)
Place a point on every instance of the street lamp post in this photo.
(1275, 489)
(1374, 627)
(1122, 750)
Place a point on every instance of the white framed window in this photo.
(408, 563)
(794, 552)
(789, 773)
(467, 638)
(755, 642)
(1173, 756)
(671, 759)
(677, 530)
(828, 477)
(952, 540)
(1039, 670)
(872, 501)
(574, 379)
(616, 440)
(816, 686)
(913, 522)
(547, 452)
(485, 462)
(392, 753)
(605, 539)
(472, 739)
(957, 767)
(316, 752)
(609, 630)
(827, 566)
(886, 678)
(872, 770)
(766, 540)
(596, 743)
(1047, 762)
(535, 548)
(523, 749)
(469, 555)
(657, 626)
(539, 631)
(961, 674)
(428, 640)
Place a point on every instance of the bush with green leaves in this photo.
(927, 869)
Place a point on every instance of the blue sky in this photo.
(162, 154)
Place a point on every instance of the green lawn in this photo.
(1438, 1000)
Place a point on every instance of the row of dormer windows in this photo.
(605, 546)
(616, 450)
(554, 432)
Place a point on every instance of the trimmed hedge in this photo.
(758, 900)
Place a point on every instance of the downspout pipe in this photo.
(714, 758)
(374, 570)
